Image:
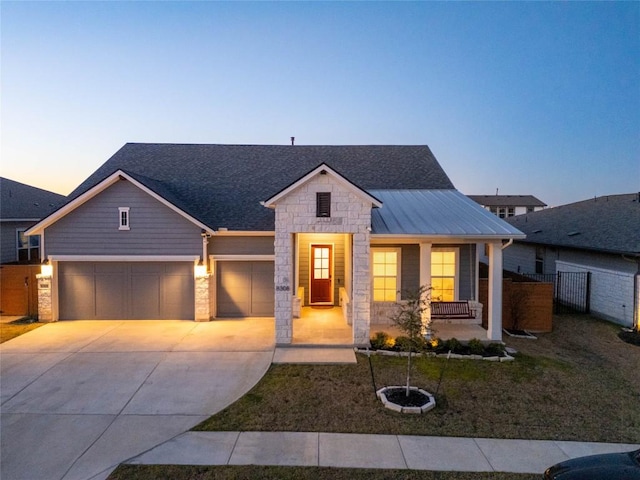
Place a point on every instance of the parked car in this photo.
(609, 466)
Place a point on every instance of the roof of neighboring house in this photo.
(507, 200)
(19, 201)
(223, 185)
(608, 224)
(435, 212)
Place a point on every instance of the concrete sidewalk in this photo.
(370, 451)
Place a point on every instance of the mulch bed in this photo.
(399, 397)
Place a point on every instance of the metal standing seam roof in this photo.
(437, 213)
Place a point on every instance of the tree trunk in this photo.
(409, 373)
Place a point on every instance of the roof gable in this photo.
(322, 169)
(96, 190)
(607, 224)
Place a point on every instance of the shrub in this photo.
(382, 341)
(434, 344)
(454, 345)
(476, 347)
(403, 343)
(495, 349)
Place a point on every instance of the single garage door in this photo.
(126, 290)
(245, 289)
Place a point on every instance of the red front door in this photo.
(321, 256)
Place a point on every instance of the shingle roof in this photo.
(607, 224)
(435, 212)
(507, 200)
(21, 201)
(222, 185)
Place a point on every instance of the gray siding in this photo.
(305, 240)
(9, 240)
(467, 272)
(521, 257)
(92, 228)
(221, 245)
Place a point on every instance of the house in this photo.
(212, 231)
(601, 236)
(506, 206)
(20, 207)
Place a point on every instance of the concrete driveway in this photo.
(78, 398)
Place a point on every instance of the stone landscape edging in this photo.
(391, 353)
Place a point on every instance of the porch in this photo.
(327, 326)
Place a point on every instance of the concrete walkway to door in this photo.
(77, 398)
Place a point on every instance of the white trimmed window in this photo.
(123, 218)
(385, 263)
(28, 248)
(444, 274)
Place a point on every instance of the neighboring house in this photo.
(600, 235)
(21, 206)
(505, 206)
(259, 230)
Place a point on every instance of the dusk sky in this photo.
(538, 98)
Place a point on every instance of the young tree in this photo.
(411, 319)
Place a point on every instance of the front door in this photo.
(321, 266)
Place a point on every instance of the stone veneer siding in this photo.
(296, 213)
(45, 304)
(202, 303)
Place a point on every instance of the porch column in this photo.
(425, 277)
(361, 297)
(494, 313)
(283, 249)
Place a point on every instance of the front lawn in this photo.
(580, 382)
(17, 328)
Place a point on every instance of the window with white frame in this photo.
(123, 218)
(385, 266)
(444, 269)
(28, 248)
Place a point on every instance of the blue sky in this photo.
(537, 98)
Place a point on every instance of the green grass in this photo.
(252, 472)
(17, 328)
(580, 382)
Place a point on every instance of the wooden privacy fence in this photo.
(19, 290)
(525, 305)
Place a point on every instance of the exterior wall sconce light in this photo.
(46, 269)
(200, 270)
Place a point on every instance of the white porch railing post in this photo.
(494, 314)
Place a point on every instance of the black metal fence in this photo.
(571, 290)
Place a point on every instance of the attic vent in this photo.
(573, 234)
(323, 204)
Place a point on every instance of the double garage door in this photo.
(244, 289)
(126, 290)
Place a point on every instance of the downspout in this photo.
(205, 241)
(508, 244)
